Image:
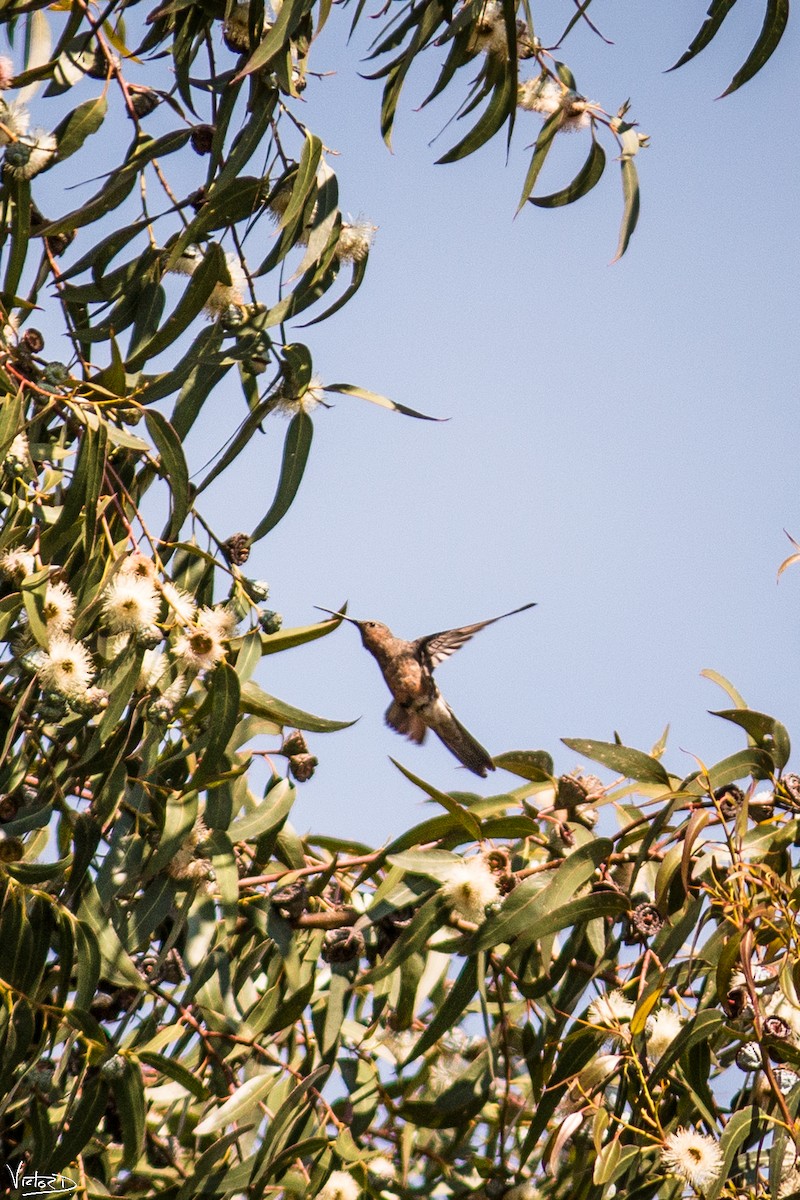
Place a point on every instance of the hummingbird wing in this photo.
(436, 647)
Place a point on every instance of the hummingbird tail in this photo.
(459, 741)
(407, 722)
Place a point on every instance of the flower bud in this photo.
(303, 766)
(236, 549)
(342, 945)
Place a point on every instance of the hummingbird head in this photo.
(373, 633)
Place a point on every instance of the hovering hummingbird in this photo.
(417, 703)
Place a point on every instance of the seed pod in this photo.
(144, 101)
(575, 789)
(33, 341)
(342, 945)
(289, 902)
(270, 621)
(294, 743)
(776, 1027)
(646, 921)
(236, 548)
(730, 799)
(302, 766)
(202, 138)
(9, 807)
(787, 789)
(748, 1057)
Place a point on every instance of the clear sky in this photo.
(622, 439)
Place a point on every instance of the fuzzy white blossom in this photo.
(19, 450)
(355, 241)
(188, 262)
(548, 96)
(6, 72)
(139, 565)
(130, 604)
(611, 1011)
(695, 1157)
(489, 35)
(340, 1186)
(17, 564)
(218, 623)
(661, 1031)
(14, 121)
(181, 607)
(59, 608)
(225, 294)
(29, 155)
(287, 404)
(382, 1168)
(66, 666)
(197, 650)
(471, 888)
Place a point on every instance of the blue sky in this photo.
(621, 439)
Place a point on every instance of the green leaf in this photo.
(448, 1014)
(726, 686)
(458, 1104)
(630, 212)
(753, 762)
(716, 15)
(349, 389)
(541, 150)
(535, 765)
(634, 764)
(501, 107)
(775, 21)
(20, 232)
(128, 1092)
(256, 701)
(589, 175)
(239, 1106)
(120, 183)
(270, 46)
(434, 864)
(270, 813)
(175, 1071)
(470, 822)
(80, 124)
(295, 456)
(222, 708)
(766, 733)
(173, 470)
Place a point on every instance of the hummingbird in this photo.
(417, 704)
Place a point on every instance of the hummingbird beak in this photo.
(342, 616)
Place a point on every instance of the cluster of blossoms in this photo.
(26, 154)
(545, 94)
(136, 610)
(287, 401)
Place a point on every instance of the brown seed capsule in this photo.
(303, 766)
(646, 921)
(497, 860)
(202, 139)
(342, 945)
(9, 807)
(730, 799)
(776, 1027)
(787, 789)
(33, 341)
(574, 789)
(289, 902)
(391, 926)
(57, 243)
(144, 101)
(294, 743)
(236, 548)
